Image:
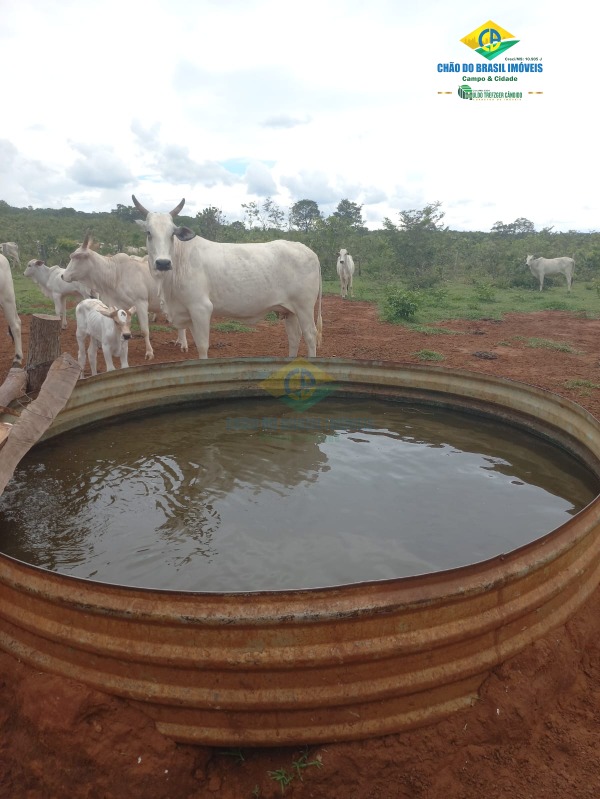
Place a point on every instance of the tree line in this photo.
(416, 249)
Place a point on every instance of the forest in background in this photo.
(415, 250)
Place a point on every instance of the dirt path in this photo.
(532, 734)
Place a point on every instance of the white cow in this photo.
(345, 270)
(9, 306)
(135, 250)
(49, 279)
(10, 249)
(540, 267)
(108, 328)
(240, 281)
(120, 280)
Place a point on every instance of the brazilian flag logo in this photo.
(489, 40)
(300, 384)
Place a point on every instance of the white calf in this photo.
(49, 279)
(108, 328)
(9, 306)
(540, 267)
(345, 270)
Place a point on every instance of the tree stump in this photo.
(44, 349)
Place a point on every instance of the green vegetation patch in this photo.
(580, 384)
(231, 326)
(548, 344)
(428, 355)
(434, 331)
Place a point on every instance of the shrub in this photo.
(399, 305)
(484, 291)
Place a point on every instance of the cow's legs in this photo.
(309, 331)
(142, 315)
(110, 367)
(124, 354)
(93, 355)
(201, 330)
(14, 328)
(60, 308)
(294, 334)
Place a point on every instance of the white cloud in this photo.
(220, 100)
(260, 180)
(99, 167)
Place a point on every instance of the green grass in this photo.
(468, 300)
(444, 302)
(433, 331)
(580, 384)
(548, 344)
(284, 777)
(231, 326)
(428, 355)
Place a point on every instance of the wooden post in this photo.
(44, 349)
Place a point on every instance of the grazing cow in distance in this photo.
(198, 277)
(9, 306)
(10, 249)
(345, 270)
(108, 328)
(120, 280)
(136, 251)
(540, 267)
(49, 279)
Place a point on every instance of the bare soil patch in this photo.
(533, 732)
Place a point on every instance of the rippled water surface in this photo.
(244, 496)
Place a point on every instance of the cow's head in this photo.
(161, 231)
(79, 266)
(121, 318)
(33, 267)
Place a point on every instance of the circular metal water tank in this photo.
(306, 666)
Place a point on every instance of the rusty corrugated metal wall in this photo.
(306, 666)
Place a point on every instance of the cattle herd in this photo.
(189, 279)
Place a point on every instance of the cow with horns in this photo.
(240, 281)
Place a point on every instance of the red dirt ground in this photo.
(532, 735)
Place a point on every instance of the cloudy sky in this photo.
(226, 102)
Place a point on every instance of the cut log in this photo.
(14, 386)
(44, 349)
(39, 415)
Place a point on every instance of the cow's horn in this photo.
(177, 208)
(139, 206)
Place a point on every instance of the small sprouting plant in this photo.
(237, 754)
(581, 384)
(428, 355)
(282, 776)
(285, 777)
(303, 762)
